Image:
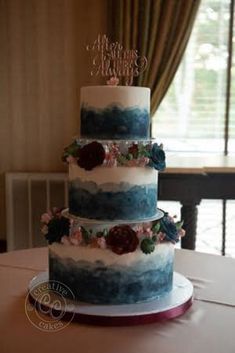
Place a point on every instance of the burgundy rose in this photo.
(122, 239)
(91, 155)
(134, 149)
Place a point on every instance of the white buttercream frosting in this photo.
(114, 175)
(160, 256)
(123, 96)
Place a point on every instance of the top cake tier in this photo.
(115, 112)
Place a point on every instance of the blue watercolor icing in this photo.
(138, 202)
(115, 122)
(99, 284)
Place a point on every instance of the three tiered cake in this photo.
(113, 246)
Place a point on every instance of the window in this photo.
(199, 108)
(192, 116)
(210, 237)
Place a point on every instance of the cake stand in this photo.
(169, 306)
(156, 217)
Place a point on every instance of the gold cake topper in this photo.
(113, 61)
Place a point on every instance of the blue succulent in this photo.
(169, 228)
(157, 157)
(57, 228)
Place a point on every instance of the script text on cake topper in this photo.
(113, 61)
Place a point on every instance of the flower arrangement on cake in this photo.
(121, 239)
(110, 154)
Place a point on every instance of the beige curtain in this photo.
(158, 29)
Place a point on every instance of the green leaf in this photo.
(129, 156)
(156, 227)
(154, 238)
(142, 151)
(72, 149)
(102, 233)
(121, 160)
(147, 245)
(179, 225)
(86, 235)
(105, 232)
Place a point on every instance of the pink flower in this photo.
(171, 218)
(101, 243)
(147, 225)
(110, 160)
(74, 241)
(144, 230)
(71, 159)
(161, 236)
(181, 232)
(143, 161)
(76, 237)
(140, 162)
(65, 240)
(148, 232)
(147, 229)
(115, 150)
(113, 81)
(44, 229)
(139, 231)
(46, 218)
(132, 163)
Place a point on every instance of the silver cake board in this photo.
(157, 216)
(169, 306)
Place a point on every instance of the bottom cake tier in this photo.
(112, 263)
(102, 277)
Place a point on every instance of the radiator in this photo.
(28, 195)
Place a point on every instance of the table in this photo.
(191, 178)
(208, 326)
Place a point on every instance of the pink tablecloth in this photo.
(208, 326)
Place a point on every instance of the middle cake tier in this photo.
(118, 193)
(114, 180)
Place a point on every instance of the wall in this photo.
(43, 64)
